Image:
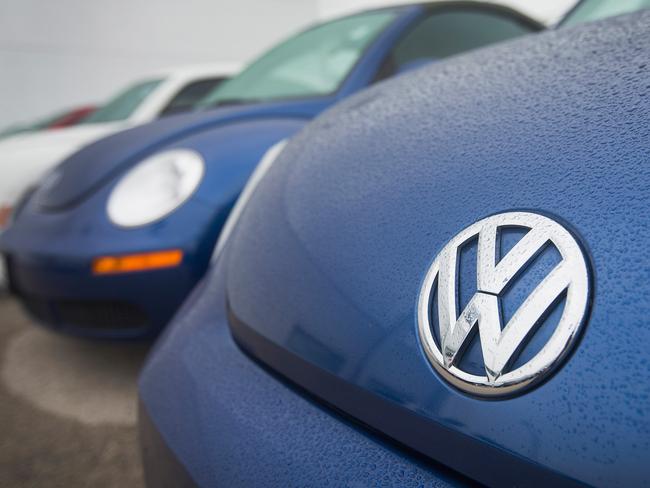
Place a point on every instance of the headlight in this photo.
(155, 187)
(262, 168)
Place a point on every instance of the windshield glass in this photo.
(312, 63)
(123, 105)
(589, 10)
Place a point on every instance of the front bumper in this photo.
(49, 266)
(63, 294)
(230, 422)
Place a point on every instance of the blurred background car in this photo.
(58, 121)
(115, 238)
(300, 353)
(25, 158)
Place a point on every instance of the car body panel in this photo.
(326, 263)
(243, 417)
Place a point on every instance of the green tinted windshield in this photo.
(312, 63)
(589, 10)
(123, 105)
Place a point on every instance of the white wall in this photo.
(56, 54)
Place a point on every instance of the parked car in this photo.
(25, 158)
(57, 121)
(114, 239)
(72, 117)
(441, 281)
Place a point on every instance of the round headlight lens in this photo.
(155, 187)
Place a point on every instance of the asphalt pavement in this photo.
(67, 407)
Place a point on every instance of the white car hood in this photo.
(25, 158)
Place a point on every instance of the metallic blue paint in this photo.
(320, 279)
(231, 423)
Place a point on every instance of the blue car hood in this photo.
(326, 264)
(88, 168)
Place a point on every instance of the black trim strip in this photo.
(480, 461)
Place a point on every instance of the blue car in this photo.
(115, 238)
(442, 281)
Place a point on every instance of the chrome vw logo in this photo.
(501, 343)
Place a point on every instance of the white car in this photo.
(25, 158)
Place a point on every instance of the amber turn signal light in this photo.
(137, 262)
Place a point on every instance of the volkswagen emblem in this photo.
(447, 334)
